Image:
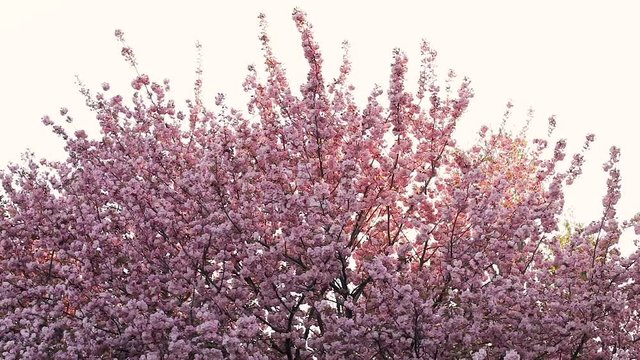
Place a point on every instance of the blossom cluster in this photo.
(323, 230)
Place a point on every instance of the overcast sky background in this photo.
(576, 59)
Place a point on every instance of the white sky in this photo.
(577, 59)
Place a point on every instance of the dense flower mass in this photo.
(307, 227)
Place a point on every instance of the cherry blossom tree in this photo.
(307, 227)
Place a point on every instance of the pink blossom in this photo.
(511, 355)
(81, 134)
(47, 121)
(479, 355)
